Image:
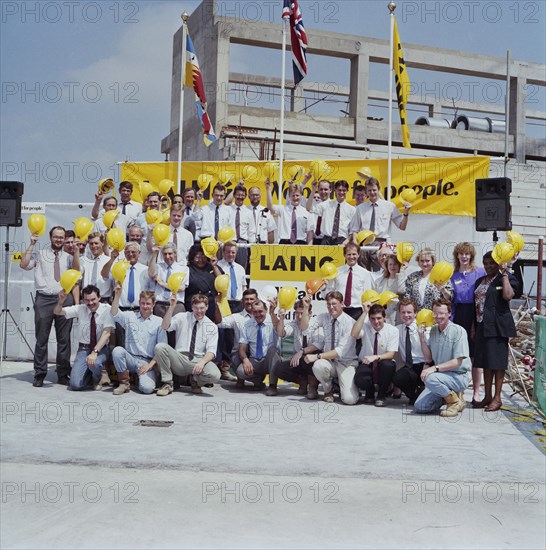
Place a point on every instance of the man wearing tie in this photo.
(338, 358)
(95, 324)
(128, 207)
(196, 344)
(264, 224)
(237, 276)
(408, 378)
(92, 263)
(377, 215)
(335, 216)
(215, 214)
(49, 263)
(243, 224)
(258, 348)
(379, 344)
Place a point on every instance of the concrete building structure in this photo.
(247, 132)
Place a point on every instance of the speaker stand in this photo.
(495, 237)
(5, 311)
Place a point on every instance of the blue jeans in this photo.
(79, 377)
(123, 361)
(437, 386)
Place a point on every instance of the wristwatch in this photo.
(318, 355)
(96, 351)
(437, 368)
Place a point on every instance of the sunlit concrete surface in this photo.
(241, 470)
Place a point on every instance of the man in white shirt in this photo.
(296, 225)
(258, 348)
(408, 378)
(142, 333)
(128, 207)
(338, 358)
(264, 224)
(379, 344)
(319, 195)
(303, 329)
(189, 196)
(230, 330)
(48, 264)
(135, 234)
(91, 264)
(352, 280)
(95, 324)
(180, 237)
(196, 345)
(377, 215)
(335, 216)
(243, 224)
(215, 214)
(237, 276)
(108, 204)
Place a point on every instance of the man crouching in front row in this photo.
(195, 349)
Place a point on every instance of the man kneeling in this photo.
(447, 364)
(142, 333)
(196, 343)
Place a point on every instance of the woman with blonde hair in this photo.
(393, 278)
(463, 280)
(418, 286)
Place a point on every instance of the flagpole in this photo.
(507, 115)
(283, 85)
(392, 7)
(185, 17)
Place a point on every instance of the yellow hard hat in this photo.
(204, 180)
(328, 270)
(287, 297)
(175, 280)
(365, 172)
(69, 278)
(224, 177)
(82, 228)
(161, 234)
(516, 240)
(425, 316)
(295, 172)
(145, 188)
(153, 216)
(365, 237)
(408, 195)
(221, 284)
(210, 246)
(369, 295)
(165, 186)
(116, 239)
(109, 218)
(503, 253)
(271, 170)
(387, 297)
(404, 252)
(319, 169)
(37, 224)
(119, 271)
(105, 186)
(250, 174)
(441, 273)
(226, 233)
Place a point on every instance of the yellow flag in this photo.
(402, 85)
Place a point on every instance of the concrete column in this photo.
(517, 116)
(358, 95)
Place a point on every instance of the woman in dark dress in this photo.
(202, 274)
(463, 281)
(494, 326)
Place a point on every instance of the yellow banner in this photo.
(444, 186)
(291, 262)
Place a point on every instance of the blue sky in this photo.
(87, 84)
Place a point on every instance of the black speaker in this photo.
(493, 211)
(11, 193)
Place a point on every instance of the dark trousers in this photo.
(44, 318)
(236, 306)
(284, 371)
(287, 241)
(225, 344)
(363, 378)
(354, 312)
(329, 241)
(408, 379)
(242, 255)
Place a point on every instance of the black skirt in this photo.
(490, 353)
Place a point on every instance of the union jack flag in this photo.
(298, 39)
(194, 80)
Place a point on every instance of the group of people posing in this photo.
(353, 349)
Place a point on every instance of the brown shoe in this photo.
(240, 384)
(259, 386)
(328, 397)
(195, 387)
(312, 393)
(166, 389)
(271, 391)
(228, 376)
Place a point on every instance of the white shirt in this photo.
(121, 221)
(263, 223)
(344, 343)
(162, 271)
(236, 322)
(327, 210)
(184, 241)
(206, 340)
(304, 222)
(132, 209)
(247, 229)
(44, 275)
(314, 334)
(416, 352)
(385, 213)
(141, 280)
(92, 266)
(141, 335)
(240, 278)
(362, 280)
(207, 214)
(103, 320)
(249, 336)
(387, 340)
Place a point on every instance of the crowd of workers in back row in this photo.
(353, 349)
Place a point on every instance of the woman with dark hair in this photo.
(393, 278)
(494, 326)
(463, 280)
(203, 273)
(418, 286)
